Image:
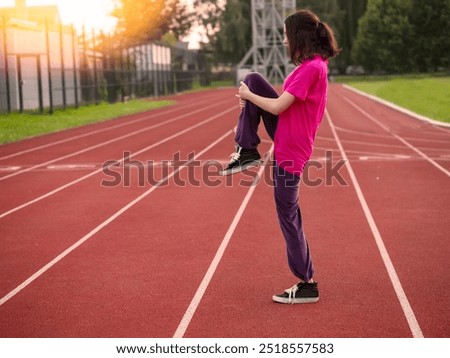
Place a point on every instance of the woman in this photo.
(291, 120)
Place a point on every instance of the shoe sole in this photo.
(240, 169)
(295, 300)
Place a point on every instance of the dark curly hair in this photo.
(308, 36)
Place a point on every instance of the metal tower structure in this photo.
(267, 54)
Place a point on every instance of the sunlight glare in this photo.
(93, 14)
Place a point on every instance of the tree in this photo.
(431, 33)
(347, 29)
(329, 12)
(230, 33)
(384, 39)
(140, 21)
(235, 35)
(182, 19)
(209, 16)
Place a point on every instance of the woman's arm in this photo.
(272, 105)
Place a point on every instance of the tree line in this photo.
(391, 36)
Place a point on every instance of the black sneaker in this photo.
(241, 159)
(300, 293)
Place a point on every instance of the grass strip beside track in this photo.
(214, 84)
(16, 126)
(422, 94)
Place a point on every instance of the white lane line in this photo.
(71, 166)
(185, 321)
(392, 146)
(401, 295)
(431, 141)
(387, 129)
(384, 158)
(10, 168)
(129, 122)
(118, 162)
(102, 144)
(324, 138)
(105, 223)
(361, 133)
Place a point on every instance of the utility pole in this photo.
(267, 54)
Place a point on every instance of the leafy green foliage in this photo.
(232, 37)
(398, 36)
(235, 37)
(431, 32)
(140, 21)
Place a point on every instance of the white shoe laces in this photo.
(235, 156)
(291, 292)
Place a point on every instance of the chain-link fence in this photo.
(43, 68)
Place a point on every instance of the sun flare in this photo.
(93, 14)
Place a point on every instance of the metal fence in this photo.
(54, 67)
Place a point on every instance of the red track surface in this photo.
(79, 259)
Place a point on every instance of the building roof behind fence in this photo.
(35, 14)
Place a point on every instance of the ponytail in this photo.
(308, 36)
(326, 44)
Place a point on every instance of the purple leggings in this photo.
(286, 184)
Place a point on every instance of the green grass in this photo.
(16, 126)
(422, 94)
(214, 84)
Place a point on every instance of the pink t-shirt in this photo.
(298, 125)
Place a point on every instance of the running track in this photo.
(78, 259)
